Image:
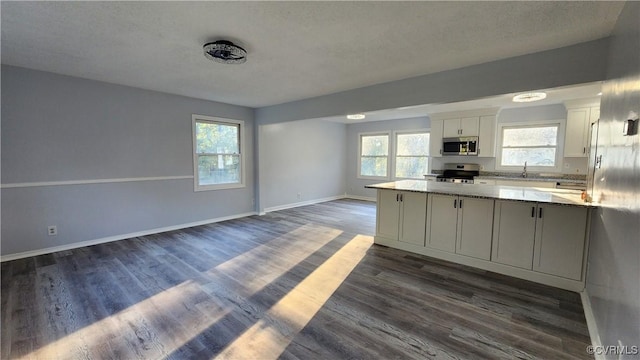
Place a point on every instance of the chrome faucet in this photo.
(524, 171)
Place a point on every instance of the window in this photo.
(217, 153)
(535, 144)
(412, 155)
(374, 156)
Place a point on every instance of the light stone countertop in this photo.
(500, 192)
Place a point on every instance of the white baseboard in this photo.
(591, 322)
(358, 197)
(302, 203)
(76, 245)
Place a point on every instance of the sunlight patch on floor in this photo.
(271, 335)
(266, 262)
(135, 324)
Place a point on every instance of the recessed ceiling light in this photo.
(529, 97)
(356, 116)
(600, 93)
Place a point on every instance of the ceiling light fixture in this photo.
(356, 116)
(600, 93)
(226, 52)
(529, 97)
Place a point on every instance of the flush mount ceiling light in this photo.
(356, 116)
(529, 97)
(225, 52)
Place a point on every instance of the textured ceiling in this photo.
(296, 50)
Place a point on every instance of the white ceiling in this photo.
(296, 50)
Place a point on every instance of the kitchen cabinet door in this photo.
(560, 239)
(413, 217)
(443, 217)
(451, 128)
(435, 138)
(388, 214)
(487, 136)
(577, 130)
(513, 233)
(475, 227)
(469, 126)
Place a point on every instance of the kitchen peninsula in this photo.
(530, 233)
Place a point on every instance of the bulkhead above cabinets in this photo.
(480, 123)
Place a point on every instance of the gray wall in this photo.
(613, 278)
(61, 128)
(577, 64)
(301, 157)
(355, 186)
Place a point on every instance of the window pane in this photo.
(375, 145)
(413, 144)
(217, 138)
(411, 167)
(533, 157)
(373, 166)
(218, 169)
(530, 136)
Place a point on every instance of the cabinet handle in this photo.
(401, 197)
(540, 213)
(533, 211)
(397, 197)
(460, 204)
(454, 203)
(584, 150)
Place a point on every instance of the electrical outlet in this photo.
(52, 230)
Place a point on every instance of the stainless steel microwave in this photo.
(467, 146)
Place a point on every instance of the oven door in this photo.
(453, 146)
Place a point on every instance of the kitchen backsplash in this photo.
(531, 175)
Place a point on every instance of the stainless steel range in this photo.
(459, 173)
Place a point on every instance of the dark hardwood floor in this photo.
(304, 283)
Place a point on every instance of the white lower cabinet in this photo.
(513, 236)
(560, 240)
(460, 224)
(475, 227)
(388, 214)
(401, 215)
(443, 222)
(542, 237)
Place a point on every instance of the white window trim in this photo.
(395, 149)
(196, 186)
(389, 155)
(545, 169)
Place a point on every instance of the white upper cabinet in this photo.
(579, 120)
(467, 126)
(487, 136)
(435, 138)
